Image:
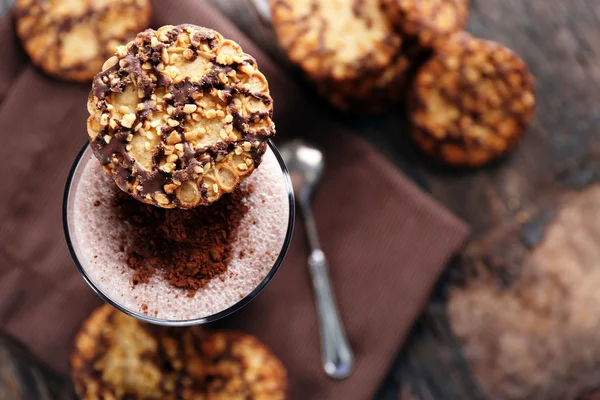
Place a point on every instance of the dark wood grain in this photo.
(510, 204)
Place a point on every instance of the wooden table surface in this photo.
(508, 316)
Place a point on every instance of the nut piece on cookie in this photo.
(71, 39)
(349, 50)
(119, 357)
(180, 116)
(471, 102)
(430, 21)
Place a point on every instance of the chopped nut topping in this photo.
(161, 198)
(128, 120)
(172, 122)
(173, 138)
(170, 188)
(189, 108)
(188, 54)
(189, 136)
(121, 51)
(110, 62)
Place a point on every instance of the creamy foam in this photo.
(95, 239)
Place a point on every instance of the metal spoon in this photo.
(305, 164)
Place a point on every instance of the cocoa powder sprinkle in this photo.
(186, 247)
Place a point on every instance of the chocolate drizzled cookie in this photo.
(71, 39)
(471, 102)
(429, 21)
(119, 357)
(347, 48)
(180, 116)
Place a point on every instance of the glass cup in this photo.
(85, 156)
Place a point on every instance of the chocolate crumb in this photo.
(144, 307)
(242, 254)
(97, 203)
(186, 247)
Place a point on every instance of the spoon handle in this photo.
(336, 353)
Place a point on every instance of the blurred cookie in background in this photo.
(348, 49)
(375, 92)
(471, 102)
(71, 39)
(430, 22)
(119, 357)
(236, 365)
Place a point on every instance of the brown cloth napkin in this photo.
(386, 241)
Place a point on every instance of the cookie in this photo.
(71, 39)
(349, 50)
(119, 357)
(338, 39)
(237, 366)
(180, 116)
(430, 21)
(471, 102)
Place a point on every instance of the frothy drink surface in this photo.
(258, 242)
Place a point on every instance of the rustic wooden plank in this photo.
(511, 203)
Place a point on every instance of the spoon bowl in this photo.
(305, 163)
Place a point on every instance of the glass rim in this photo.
(196, 321)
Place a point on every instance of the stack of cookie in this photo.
(348, 49)
(360, 54)
(469, 100)
(119, 357)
